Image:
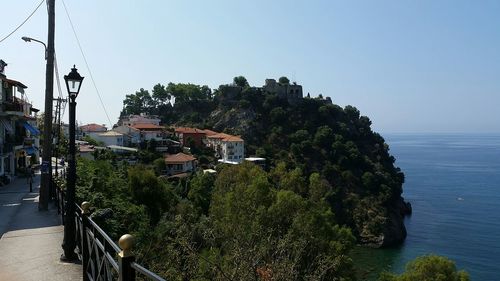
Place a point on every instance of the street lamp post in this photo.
(29, 39)
(73, 83)
(45, 184)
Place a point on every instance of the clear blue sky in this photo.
(411, 66)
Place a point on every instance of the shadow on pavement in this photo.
(27, 215)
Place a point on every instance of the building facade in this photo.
(19, 136)
(228, 148)
(190, 136)
(143, 118)
(131, 136)
(110, 138)
(179, 163)
(92, 130)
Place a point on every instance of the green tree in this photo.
(92, 141)
(160, 95)
(262, 229)
(284, 80)
(318, 187)
(240, 81)
(147, 190)
(324, 137)
(137, 103)
(159, 165)
(200, 191)
(428, 268)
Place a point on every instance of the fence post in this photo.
(126, 258)
(84, 245)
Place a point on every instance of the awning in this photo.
(34, 131)
(30, 149)
(7, 126)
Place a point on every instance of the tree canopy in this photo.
(240, 81)
(428, 268)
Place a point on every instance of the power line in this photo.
(8, 35)
(87, 64)
(57, 76)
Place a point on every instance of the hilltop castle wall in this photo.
(291, 92)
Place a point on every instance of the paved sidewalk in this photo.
(30, 243)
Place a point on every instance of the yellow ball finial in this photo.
(126, 242)
(85, 207)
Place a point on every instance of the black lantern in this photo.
(73, 82)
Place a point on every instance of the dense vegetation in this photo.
(330, 183)
(354, 172)
(238, 226)
(428, 268)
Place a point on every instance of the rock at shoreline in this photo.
(394, 230)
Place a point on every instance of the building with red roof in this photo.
(188, 135)
(142, 118)
(229, 148)
(92, 130)
(179, 163)
(151, 132)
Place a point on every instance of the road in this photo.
(11, 199)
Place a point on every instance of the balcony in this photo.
(12, 108)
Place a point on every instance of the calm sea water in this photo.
(453, 184)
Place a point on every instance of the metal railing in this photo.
(101, 257)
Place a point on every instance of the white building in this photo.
(110, 138)
(92, 130)
(19, 137)
(151, 132)
(179, 163)
(139, 119)
(131, 136)
(229, 149)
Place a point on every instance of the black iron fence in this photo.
(101, 257)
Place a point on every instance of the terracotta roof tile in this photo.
(93, 128)
(147, 126)
(178, 158)
(189, 130)
(209, 132)
(225, 137)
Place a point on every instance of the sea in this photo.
(453, 184)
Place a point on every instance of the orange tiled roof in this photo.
(210, 132)
(147, 126)
(232, 138)
(178, 158)
(225, 137)
(92, 128)
(189, 130)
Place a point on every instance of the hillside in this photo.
(302, 138)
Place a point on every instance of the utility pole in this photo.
(43, 203)
(57, 134)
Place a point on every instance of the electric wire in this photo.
(57, 77)
(32, 13)
(86, 63)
